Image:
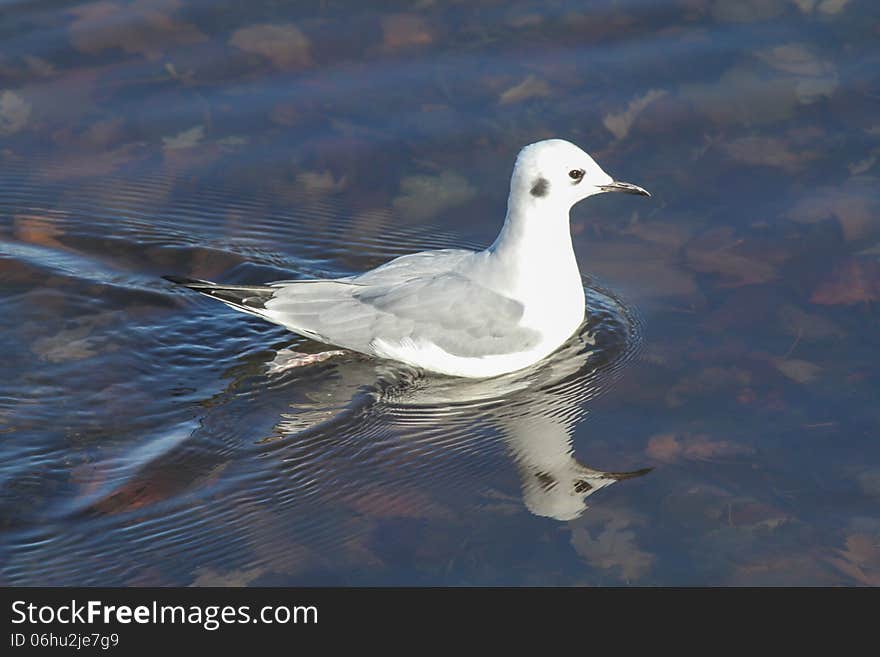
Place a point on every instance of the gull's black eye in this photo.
(576, 174)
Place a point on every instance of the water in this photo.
(731, 349)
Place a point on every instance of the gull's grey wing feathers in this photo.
(400, 269)
(415, 300)
(449, 310)
(416, 264)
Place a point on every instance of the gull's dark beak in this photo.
(628, 475)
(627, 188)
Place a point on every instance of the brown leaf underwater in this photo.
(144, 27)
(855, 281)
(285, 45)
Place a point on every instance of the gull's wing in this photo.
(449, 310)
(414, 265)
(414, 301)
(405, 267)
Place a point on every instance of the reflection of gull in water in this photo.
(534, 412)
(554, 482)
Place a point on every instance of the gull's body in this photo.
(457, 312)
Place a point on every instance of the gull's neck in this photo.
(534, 247)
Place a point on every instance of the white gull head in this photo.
(557, 173)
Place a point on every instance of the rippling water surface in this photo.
(726, 381)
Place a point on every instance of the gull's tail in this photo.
(248, 298)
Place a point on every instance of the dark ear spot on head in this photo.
(540, 187)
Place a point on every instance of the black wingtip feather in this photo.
(250, 298)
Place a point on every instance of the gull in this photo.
(456, 312)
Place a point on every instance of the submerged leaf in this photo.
(709, 381)
(144, 27)
(817, 78)
(423, 196)
(861, 559)
(319, 182)
(809, 326)
(832, 6)
(735, 260)
(39, 66)
(405, 31)
(14, 113)
(812, 90)
(612, 546)
(801, 371)
(746, 11)
(531, 87)
(671, 447)
(869, 482)
(646, 270)
(741, 96)
(620, 123)
(284, 45)
(795, 58)
(855, 205)
(185, 139)
(856, 281)
(768, 151)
